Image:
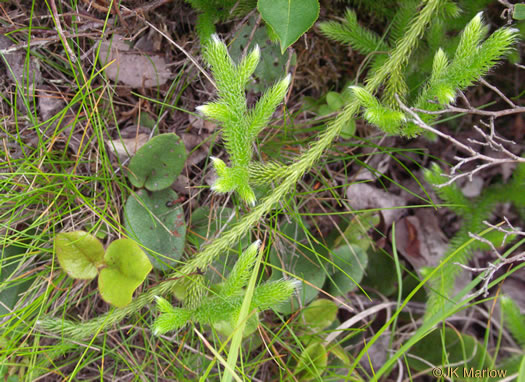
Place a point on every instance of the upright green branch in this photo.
(240, 126)
(293, 173)
(473, 59)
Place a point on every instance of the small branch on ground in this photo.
(60, 32)
(491, 269)
(491, 140)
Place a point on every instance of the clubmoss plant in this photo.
(240, 124)
(473, 57)
(225, 305)
(231, 107)
(377, 113)
(289, 175)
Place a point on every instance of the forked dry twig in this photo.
(491, 268)
(490, 139)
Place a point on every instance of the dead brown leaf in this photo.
(420, 239)
(127, 147)
(196, 147)
(17, 69)
(49, 103)
(472, 188)
(132, 68)
(362, 196)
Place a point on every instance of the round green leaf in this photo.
(304, 264)
(79, 254)
(158, 163)
(126, 268)
(379, 274)
(289, 19)
(356, 231)
(320, 314)
(350, 262)
(348, 130)
(156, 222)
(324, 110)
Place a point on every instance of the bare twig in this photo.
(498, 92)
(490, 140)
(508, 11)
(484, 113)
(33, 44)
(487, 242)
(355, 319)
(512, 231)
(60, 31)
(491, 268)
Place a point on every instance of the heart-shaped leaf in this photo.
(126, 268)
(158, 163)
(356, 231)
(334, 101)
(226, 328)
(272, 63)
(304, 268)
(289, 19)
(79, 254)
(379, 274)
(156, 222)
(462, 350)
